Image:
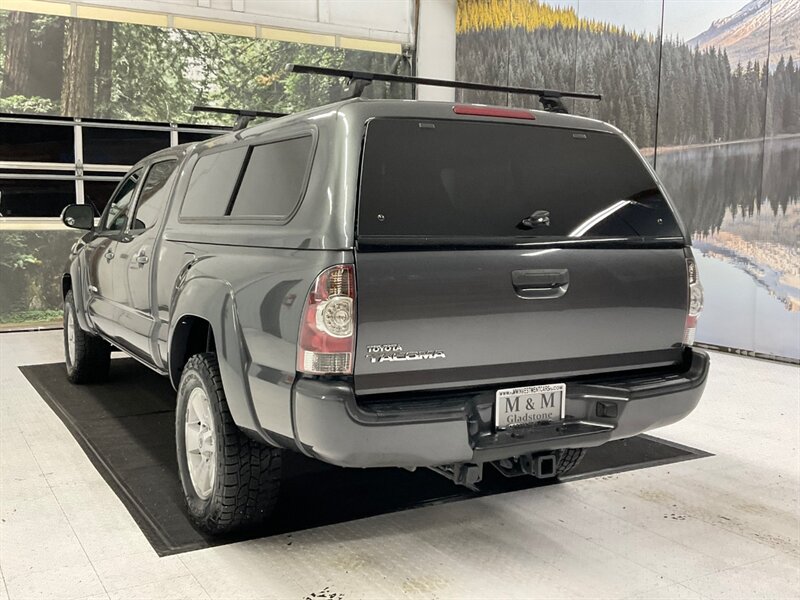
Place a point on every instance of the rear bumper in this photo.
(331, 425)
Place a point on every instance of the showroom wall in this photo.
(132, 84)
(710, 91)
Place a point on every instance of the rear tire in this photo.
(568, 459)
(229, 480)
(87, 356)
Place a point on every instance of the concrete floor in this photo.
(726, 526)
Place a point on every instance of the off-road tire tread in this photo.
(568, 459)
(92, 358)
(250, 471)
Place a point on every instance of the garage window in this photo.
(274, 179)
(35, 197)
(117, 146)
(36, 143)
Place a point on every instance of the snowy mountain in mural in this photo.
(746, 33)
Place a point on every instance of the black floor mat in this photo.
(126, 427)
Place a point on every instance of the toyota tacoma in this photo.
(382, 283)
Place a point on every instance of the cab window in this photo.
(119, 207)
(154, 195)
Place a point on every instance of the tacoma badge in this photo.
(395, 353)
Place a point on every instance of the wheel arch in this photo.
(72, 280)
(204, 317)
(66, 284)
(192, 335)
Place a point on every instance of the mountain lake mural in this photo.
(713, 103)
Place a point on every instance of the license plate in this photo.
(526, 406)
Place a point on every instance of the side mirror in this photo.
(78, 216)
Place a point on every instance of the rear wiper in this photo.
(538, 218)
(640, 203)
(641, 198)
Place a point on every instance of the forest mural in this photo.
(84, 68)
(716, 111)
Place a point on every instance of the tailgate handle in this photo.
(540, 283)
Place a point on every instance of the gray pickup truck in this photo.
(383, 283)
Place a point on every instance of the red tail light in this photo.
(326, 342)
(695, 302)
(492, 111)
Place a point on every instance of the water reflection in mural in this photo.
(748, 234)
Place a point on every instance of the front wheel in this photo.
(230, 481)
(87, 356)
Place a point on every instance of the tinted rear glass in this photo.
(273, 179)
(212, 182)
(451, 179)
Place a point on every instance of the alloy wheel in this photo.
(201, 449)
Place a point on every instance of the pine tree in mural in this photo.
(77, 93)
(105, 65)
(527, 43)
(17, 64)
(784, 91)
(127, 71)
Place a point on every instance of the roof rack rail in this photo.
(359, 80)
(243, 116)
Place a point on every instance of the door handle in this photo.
(109, 255)
(539, 284)
(142, 258)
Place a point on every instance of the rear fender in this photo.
(214, 301)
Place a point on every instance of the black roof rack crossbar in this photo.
(243, 116)
(358, 80)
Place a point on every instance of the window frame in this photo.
(49, 180)
(13, 120)
(278, 220)
(196, 159)
(77, 171)
(148, 166)
(91, 128)
(102, 221)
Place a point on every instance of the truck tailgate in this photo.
(444, 319)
